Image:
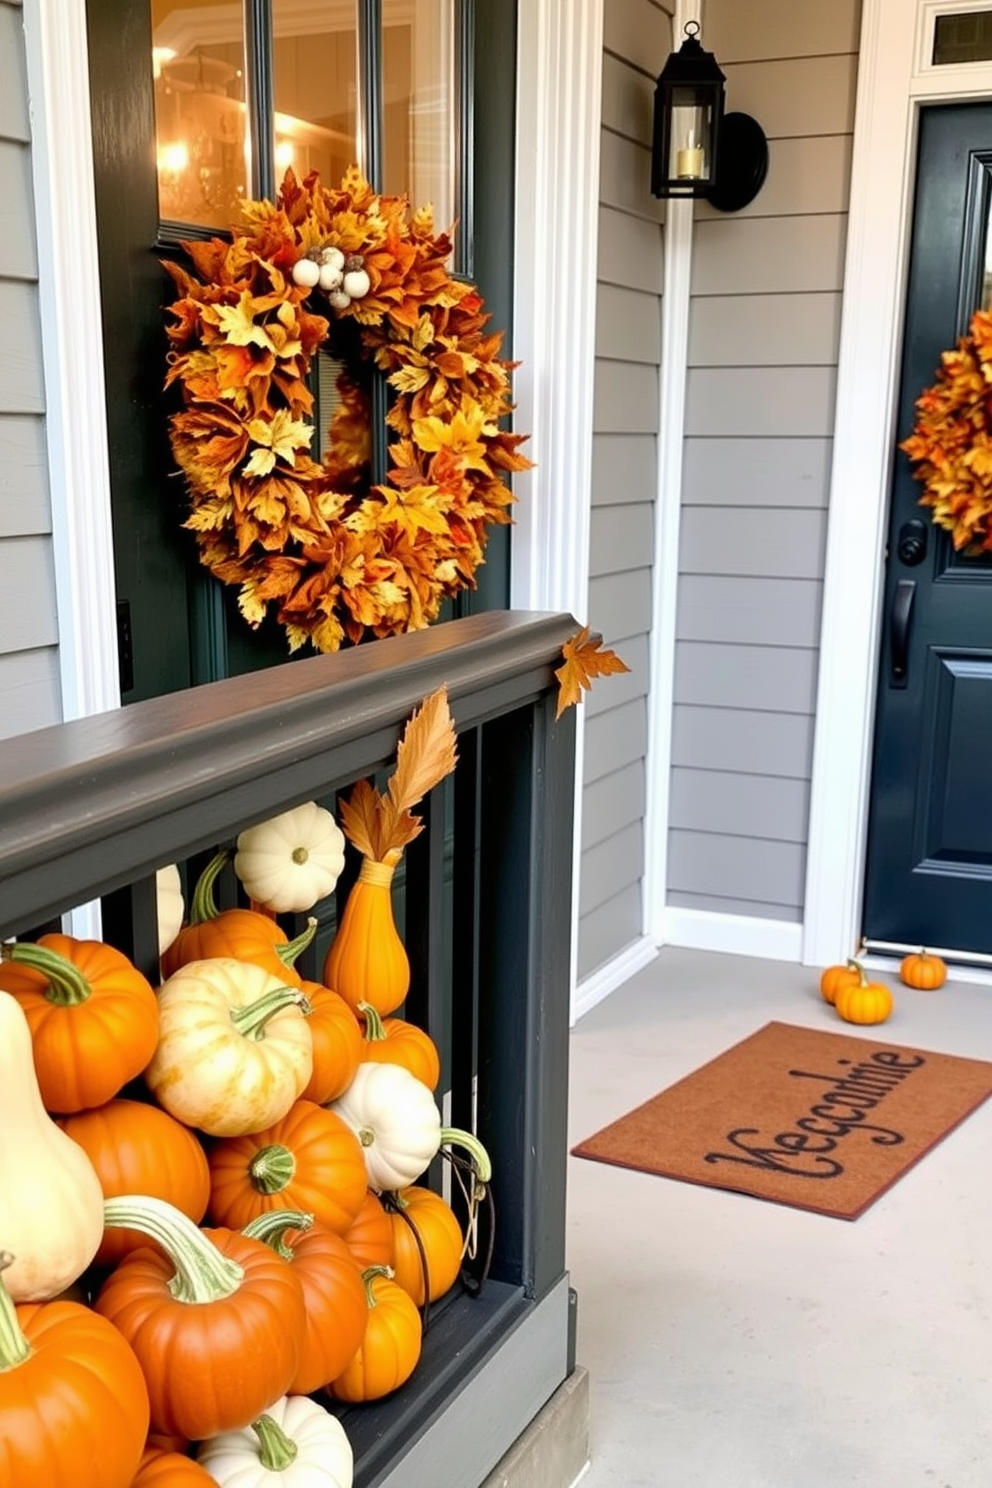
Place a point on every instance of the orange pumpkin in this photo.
(93, 1017)
(171, 1470)
(836, 977)
(241, 934)
(391, 1346)
(73, 1401)
(923, 971)
(216, 1319)
(136, 1147)
(311, 1160)
(394, 1041)
(332, 1290)
(865, 1002)
(338, 1046)
(369, 1237)
(426, 1236)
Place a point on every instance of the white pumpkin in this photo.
(394, 1116)
(51, 1210)
(295, 1443)
(290, 861)
(169, 901)
(234, 1049)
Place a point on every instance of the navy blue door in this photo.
(929, 869)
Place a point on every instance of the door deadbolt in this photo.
(912, 544)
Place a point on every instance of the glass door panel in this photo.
(198, 63)
(420, 103)
(315, 78)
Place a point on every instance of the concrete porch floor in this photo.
(733, 1343)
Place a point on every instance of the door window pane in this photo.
(198, 63)
(418, 47)
(964, 37)
(315, 65)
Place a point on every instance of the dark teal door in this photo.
(929, 867)
(178, 626)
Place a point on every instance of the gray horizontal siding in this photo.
(725, 867)
(712, 801)
(29, 691)
(625, 398)
(624, 469)
(743, 741)
(613, 864)
(777, 679)
(614, 739)
(629, 251)
(613, 803)
(750, 611)
(628, 325)
(623, 687)
(749, 471)
(764, 331)
(620, 604)
(29, 679)
(24, 503)
(621, 538)
(609, 928)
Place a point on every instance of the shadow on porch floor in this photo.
(733, 1343)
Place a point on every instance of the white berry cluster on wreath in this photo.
(342, 278)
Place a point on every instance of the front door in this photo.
(235, 87)
(929, 866)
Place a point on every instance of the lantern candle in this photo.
(689, 161)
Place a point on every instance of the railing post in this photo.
(526, 862)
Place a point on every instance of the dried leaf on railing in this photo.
(584, 660)
(378, 824)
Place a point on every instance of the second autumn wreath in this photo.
(334, 556)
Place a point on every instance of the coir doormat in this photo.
(821, 1121)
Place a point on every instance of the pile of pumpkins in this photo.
(860, 1000)
(187, 1267)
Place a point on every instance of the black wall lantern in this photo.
(697, 149)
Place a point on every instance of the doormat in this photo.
(820, 1121)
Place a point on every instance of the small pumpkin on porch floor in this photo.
(923, 971)
(864, 1001)
(836, 977)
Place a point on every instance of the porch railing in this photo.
(92, 808)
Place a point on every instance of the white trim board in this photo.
(559, 89)
(737, 935)
(890, 85)
(607, 978)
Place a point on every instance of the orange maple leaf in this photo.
(584, 660)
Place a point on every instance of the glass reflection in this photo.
(315, 63)
(418, 44)
(198, 66)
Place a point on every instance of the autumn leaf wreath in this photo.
(336, 557)
(951, 440)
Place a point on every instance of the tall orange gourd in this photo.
(367, 961)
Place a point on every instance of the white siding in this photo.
(29, 688)
(637, 38)
(764, 328)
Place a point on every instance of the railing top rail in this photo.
(89, 805)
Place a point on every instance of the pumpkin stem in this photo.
(250, 1021)
(14, 1347)
(203, 905)
(289, 952)
(368, 1277)
(374, 1031)
(452, 1136)
(378, 874)
(272, 1168)
(203, 1274)
(67, 987)
(275, 1449)
(271, 1227)
(300, 855)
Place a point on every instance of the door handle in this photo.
(902, 609)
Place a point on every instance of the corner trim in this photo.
(739, 935)
(606, 979)
(72, 348)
